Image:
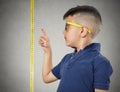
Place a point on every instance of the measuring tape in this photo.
(31, 45)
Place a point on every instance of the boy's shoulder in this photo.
(100, 59)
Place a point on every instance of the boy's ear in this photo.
(84, 32)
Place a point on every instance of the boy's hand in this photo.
(44, 41)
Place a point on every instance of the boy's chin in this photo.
(69, 45)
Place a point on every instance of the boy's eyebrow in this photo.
(77, 25)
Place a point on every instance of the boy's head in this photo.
(86, 16)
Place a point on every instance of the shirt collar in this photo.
(90, 47)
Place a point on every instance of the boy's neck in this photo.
(83, 44)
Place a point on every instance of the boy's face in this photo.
(72, 34)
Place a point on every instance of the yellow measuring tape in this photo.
(31, 45)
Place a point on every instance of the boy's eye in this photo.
(66, 27)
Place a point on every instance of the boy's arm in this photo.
(99, 90)
(47, 67)
(47, 64)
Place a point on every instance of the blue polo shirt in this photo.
(83, 71)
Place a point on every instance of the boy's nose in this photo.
(64, 32)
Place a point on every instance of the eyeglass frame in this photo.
(76, 25)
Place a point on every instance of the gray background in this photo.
(15, 40)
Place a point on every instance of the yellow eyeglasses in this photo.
(76, 25)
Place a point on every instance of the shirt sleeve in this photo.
(56, 69)
(102, 72)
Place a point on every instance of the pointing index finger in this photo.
(44, 32)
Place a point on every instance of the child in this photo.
(85, 69)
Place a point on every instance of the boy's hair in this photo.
(86, 15)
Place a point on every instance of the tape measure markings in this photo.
(31, 45)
